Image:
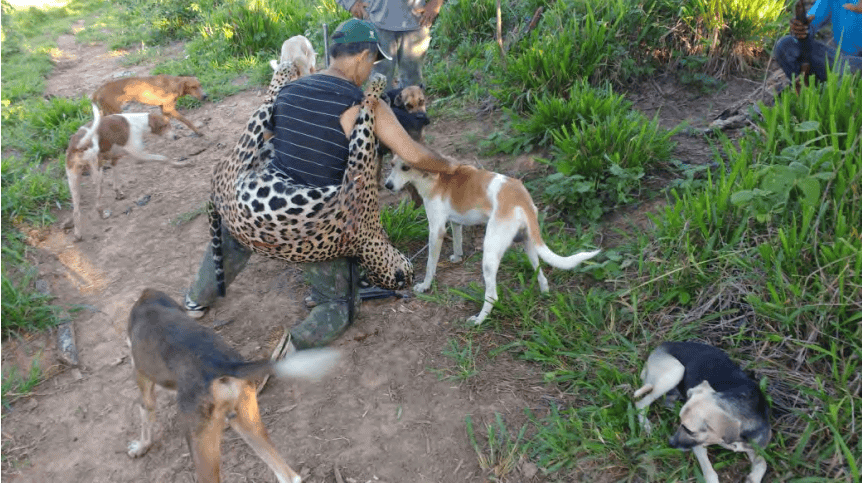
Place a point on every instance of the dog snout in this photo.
(389, 185)
(681, 442)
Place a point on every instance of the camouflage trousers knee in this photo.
(335, 290)
(334, 287)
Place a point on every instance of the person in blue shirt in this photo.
(846, 21)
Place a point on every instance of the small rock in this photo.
(529, 469)
(68, 351)
(106, 213)
(128, 211)
(42, 287)
(143, 200)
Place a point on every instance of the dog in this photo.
(723, 405)
(158, 90)
(298, 49)
(471, 196)
(408, 105)
(212, 381)
(103, 142)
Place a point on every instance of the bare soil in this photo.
(384, 414)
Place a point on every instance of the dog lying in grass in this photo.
(722, 404)
(471, 196)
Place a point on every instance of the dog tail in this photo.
(97, 117)
(306, 364)
(565, 263)
(216, 241)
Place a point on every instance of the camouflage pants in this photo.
(334, 288)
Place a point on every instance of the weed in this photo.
(16, 385)
(464, 359)
(188, 216)
(503, 450)
(404, 223)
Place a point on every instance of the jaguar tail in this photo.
(218, 256)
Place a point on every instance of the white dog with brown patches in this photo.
(298, 49)
(471, 196)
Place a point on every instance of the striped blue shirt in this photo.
(310, 145)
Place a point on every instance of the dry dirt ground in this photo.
(383, 415)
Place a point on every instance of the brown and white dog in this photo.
(157, 90)
(213, 383)
(298, 49)
(103, 142)
(471, 196)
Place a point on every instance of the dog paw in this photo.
(455, 258)
(137, 449)
(475, 320)
(421, 287)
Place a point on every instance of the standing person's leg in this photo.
(414, 45)
(335, 289)
(786, 53)
(846, 63)
(204, 291)
(821, 56)
(389, 43)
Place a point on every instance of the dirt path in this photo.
(384, 415)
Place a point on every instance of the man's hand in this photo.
(857, 7)
(358, 10)
(800, 29)
(430, 12)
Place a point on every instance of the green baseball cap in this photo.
(355, 30)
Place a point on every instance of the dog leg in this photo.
(171, 111)
(457, 243)
(758, 465)
(498, 237)
(148, 416)
(249, 425)
(533, 256)
(662, 373)
(74, 177)
(205, 445)
(98, 176)
(436, 232)
(709, 474)
(119, 195)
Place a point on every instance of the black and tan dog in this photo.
(212, 383)
(722, 404)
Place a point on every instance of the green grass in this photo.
(761, 256)
(16, 384)
(405, 224)
(464, 359)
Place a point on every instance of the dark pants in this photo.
(334, 287)
(407, 50)
(787, 53)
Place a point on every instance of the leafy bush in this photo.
(568, 46)
(602, 148)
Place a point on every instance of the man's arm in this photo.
(432, 9)
(393, 135)
(355, 7)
